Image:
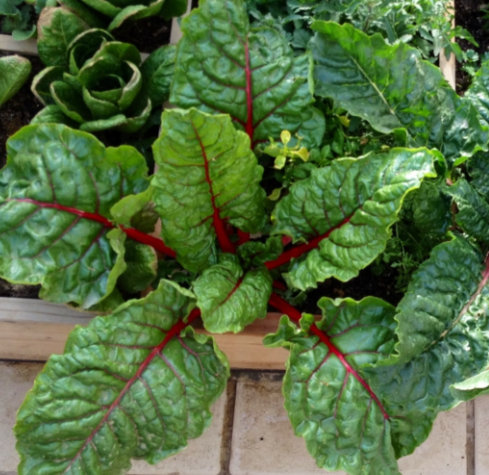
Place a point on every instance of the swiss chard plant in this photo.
(365, 380)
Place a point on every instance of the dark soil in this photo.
(147, 34)
(19, 110)
(19, 291)
(469, 15)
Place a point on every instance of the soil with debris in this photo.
(469, 14)
(20, 109)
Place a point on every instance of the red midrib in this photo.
(296, 252)
(250, 129)
(224, 241)
(143, 238)
(174, 331)
(295, 315)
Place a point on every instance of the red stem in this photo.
(294, 314)
(155, 243)
(174, 331)
(297, 251)
(222, 237)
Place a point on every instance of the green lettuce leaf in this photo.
(14, 71)
(226, 66)
(231, 299)
(346, 210)
(56, 193)
(119, 392)
(391, 87)
(207, 177)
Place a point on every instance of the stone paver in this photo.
(202, 457)
(482, 435)
(264, 443)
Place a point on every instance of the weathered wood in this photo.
(448, 66)
(32, 330)
(7, 43)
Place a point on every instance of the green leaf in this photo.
(83, 12)
(119, 392)
(157, 71)
(478, 167)
(53, 115)
(42, 81)
(478, 92)
(207, 174)
(391, 87)
(438, 297)
(14, 71)
(231, 299)
(56, 193)
(346, 210)
(226, 66)
(173, 8)
(57, 27)
(141, 267)
(344, 426)
(473, 210)
(257, 253)
(135, 12)
(444, 323)
(472, 387)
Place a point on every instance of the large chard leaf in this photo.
(134, 384)
(207, 177)
(444, 327)
(224, 65)
(478, 92)
(346, 210)
(231, 299)
(55, 198)
(391, 87)
(329, 402)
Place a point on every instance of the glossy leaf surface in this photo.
(130, 385)
(231, 299)
(478, 92)
(14, 71)
(345, 210)
(226, 66)
(207, 177)
(55, 198)
(343, 425)
(443, 320)
(391, 87)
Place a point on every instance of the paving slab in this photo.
(482, 435)
(202, 457)
(264, 442)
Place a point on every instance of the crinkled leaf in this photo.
(478, 92)
(53, 115)
(224, 65)
(231, 299)
(123, 389)
(346, 209)
(55, 198)
(14, 71)
(478, 167)
(207, 176)
(57, 28)
(344, 426)
(391, 87)
(257, 253)
(157, 71)
(141, 267)
(438, 297)
(473, 210)
(444, 320)
(431, 208)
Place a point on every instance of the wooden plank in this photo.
(7, 43)
(32, 330)
(448, 66)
